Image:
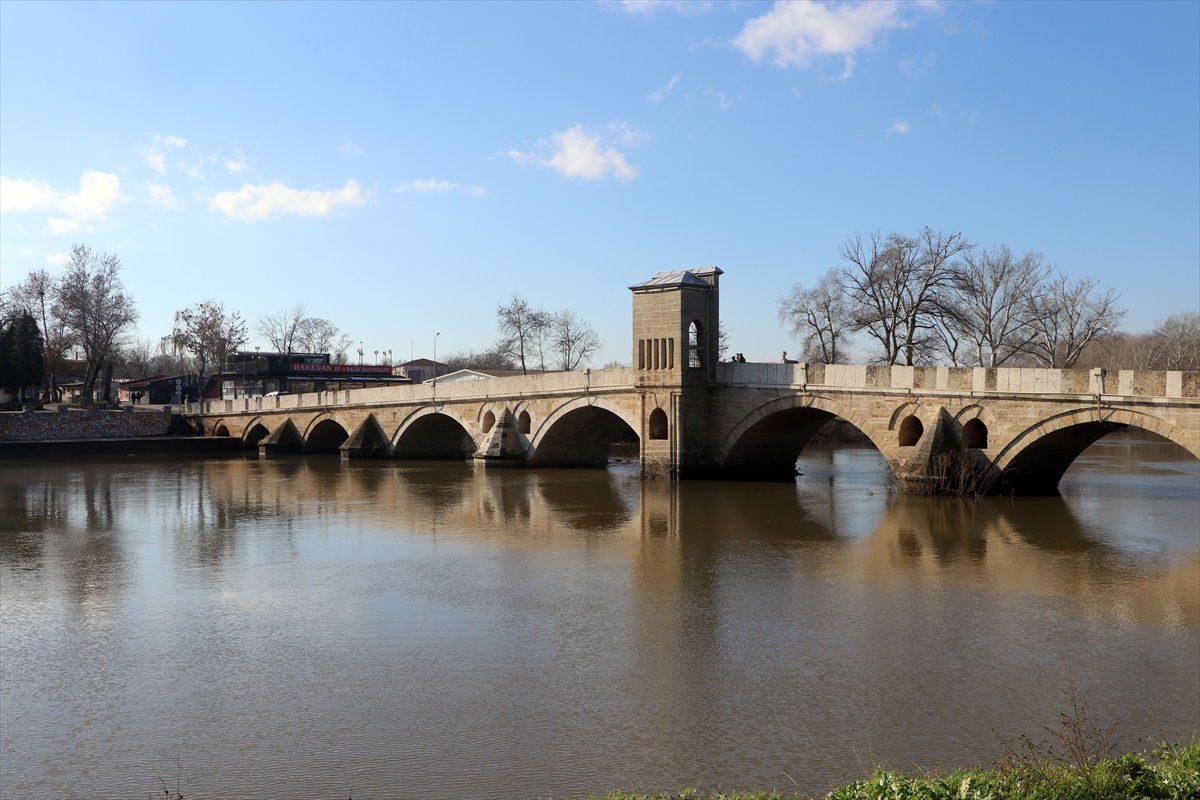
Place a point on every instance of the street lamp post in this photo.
(439, 333)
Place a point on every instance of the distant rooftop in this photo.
(679, 277)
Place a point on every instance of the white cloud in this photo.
(434, 185)
(624, 133)
(196, 171)
(719, 98)
(578, 155)
(900, 126)
(253, 203)
(915, 67)
(685, 7)
(431, 185)
(61, 226)
(23, 195)
(98, 193)
(797, 32)
(153, 154)
(160, 195)
(351, 148)
(236, 165)
(58, 258)
(658, 95)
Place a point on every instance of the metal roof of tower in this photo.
(679, 277)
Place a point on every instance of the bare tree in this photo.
(1174, 344)
(1177, 342)
(993, 305)
(138, 359)
(208, 333)
(94, 309)
(1069, 315)
(722, 340)
(897, 287)
(282, 329)
(496, 358)
(316, 335)
(523, 329)
(572, 340)
(819, 318)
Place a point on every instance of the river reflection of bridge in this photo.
(494, 625)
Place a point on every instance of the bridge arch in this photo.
(579, 433)
(767, 441)
(434, 434)
(255, 431)
(220, 428)
(324, 434)
(1034, 461)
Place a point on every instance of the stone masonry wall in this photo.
(30, 426)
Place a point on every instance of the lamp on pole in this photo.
(376, 357)
(360, 352)
(439, 333)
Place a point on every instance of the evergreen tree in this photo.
(22, 356)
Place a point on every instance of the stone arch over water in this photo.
(765, 444)
(1036, 459)
(433, 435)
(579, 433)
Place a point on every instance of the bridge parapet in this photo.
(516, 386)
(1010, 380)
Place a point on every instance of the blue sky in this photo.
(402, 168)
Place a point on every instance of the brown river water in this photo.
(307, 628)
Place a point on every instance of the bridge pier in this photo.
(284, 440)
(367, 442)
(502, 448)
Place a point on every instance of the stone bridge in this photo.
(941, 429)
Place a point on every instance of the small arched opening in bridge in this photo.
(489, 419)
(583, 437)
(434, 437)
(256, 434)
(658, 424)
(523, 422)
(768, 448)
(695, 344)
(1037, 460)
(975, 435)
(911, 430)
(221, 430)
(326, 436)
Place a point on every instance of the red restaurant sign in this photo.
(356, 369)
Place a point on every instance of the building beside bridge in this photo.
(258, 374)
(939, 428)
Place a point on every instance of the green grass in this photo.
(1169, 772)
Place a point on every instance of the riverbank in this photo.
(1169, 771)
(129, 446)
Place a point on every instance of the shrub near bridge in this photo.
(1172, 772)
